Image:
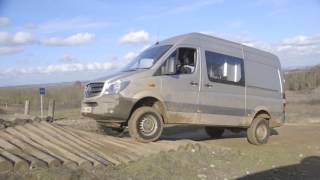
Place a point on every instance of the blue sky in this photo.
(49, 41)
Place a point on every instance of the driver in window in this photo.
(186, 65)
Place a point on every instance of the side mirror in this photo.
(169, 68)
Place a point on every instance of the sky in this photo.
(48, 41)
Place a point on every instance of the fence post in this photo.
(27, 107)
(51, 109)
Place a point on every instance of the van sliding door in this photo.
(222, 94)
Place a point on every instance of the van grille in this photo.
(93, 89)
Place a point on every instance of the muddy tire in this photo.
(145, 124)
(214, 132)
(109, 130)
(258, 133)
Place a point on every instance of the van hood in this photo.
(119, 75)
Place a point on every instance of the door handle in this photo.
(194, 83)
(208, 85)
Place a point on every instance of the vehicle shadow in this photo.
(308, 168)
(197, 133)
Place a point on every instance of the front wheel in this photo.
(145, 124)
(258, 133)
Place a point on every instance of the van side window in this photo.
(224, 69)
(185, 60)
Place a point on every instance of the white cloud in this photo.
(77, 23)
(75, 39)
(23, 37)
(4, 21)
(301, 45)
(130, 55)
(302, 40)
(135, 37)
(18, 38)
(61, 68)
(9, 50)
(68, 58)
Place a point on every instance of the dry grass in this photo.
(67, 98)
(303, 106)
(303, 79)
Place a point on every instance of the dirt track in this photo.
(287, 135)
(293, 152)
(289, 145)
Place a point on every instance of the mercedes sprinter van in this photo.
(191, 79)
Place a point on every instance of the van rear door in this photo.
(222, 94)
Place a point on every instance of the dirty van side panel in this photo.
(181, 92)
(263, 86)
(222, 103)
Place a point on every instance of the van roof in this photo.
(193, 38)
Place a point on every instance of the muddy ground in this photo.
(293, 152)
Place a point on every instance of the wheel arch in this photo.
(150, 101)
(262, 112)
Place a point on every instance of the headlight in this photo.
(116, 87)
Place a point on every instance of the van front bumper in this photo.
(109, 108)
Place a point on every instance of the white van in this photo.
(192, 79)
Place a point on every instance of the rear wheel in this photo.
(214, 132)
(258, 133)
(145, 124)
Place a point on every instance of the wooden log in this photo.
(33, 162)
(128, 151)
(91, 139)
(82, 142)
(59, 142)
(128, 146)
(35, 157)
(5, 166)
(68, 156)
(28, 139)
(74, 143)
(19, 165)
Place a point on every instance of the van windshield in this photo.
(147, 58)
